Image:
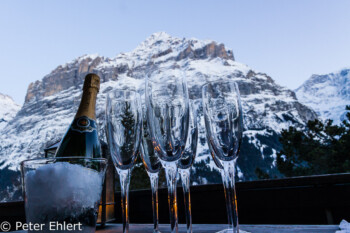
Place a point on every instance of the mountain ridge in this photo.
(51, 102)
(327, 94)
(161, 45)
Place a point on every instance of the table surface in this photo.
(210, 228)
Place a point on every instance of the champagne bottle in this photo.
(81, 138)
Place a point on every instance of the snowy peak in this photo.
(160, 47)
(163, 45)
(158, 36)
(327, 94)
(51, 102)
(8, 109)
(338, 79)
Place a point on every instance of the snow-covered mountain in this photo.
(52, 102)
(8, 109)
(327, 94)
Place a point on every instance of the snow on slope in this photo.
(8, 109)
(327, 94)
(51, 102)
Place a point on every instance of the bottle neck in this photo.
(88, 104)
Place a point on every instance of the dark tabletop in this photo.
(206, 228)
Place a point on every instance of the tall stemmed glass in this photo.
(224, 125)
(152, 164)
(123, 129)
(229, 208)
(186, 161)
(168, 116)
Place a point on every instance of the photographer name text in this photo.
(52, 226)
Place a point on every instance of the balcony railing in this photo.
(301, 200)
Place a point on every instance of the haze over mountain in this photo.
(51, 103)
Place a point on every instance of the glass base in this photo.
(231, 231)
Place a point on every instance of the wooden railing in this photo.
(301, 200)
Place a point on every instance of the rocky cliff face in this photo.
(327, 94)
(51, 103)
(63, 77)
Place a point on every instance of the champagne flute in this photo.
(123, 129)
(186, 161)
(152, 165)
(168, 118)
(234, 219)
(224, 125)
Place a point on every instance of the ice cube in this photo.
(61, 189)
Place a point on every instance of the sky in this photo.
(288, 39)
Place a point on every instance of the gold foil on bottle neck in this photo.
(88, 100)
(92, 81)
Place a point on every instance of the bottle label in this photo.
(83, 124)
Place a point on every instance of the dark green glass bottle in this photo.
(81, 138)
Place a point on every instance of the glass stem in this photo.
(124, 176)
(154, 177)
(228, 207)
(228, 179)
(170, 173)
(185, 178)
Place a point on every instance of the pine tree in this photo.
(128, 122)
(140, 179)
(320, 148)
